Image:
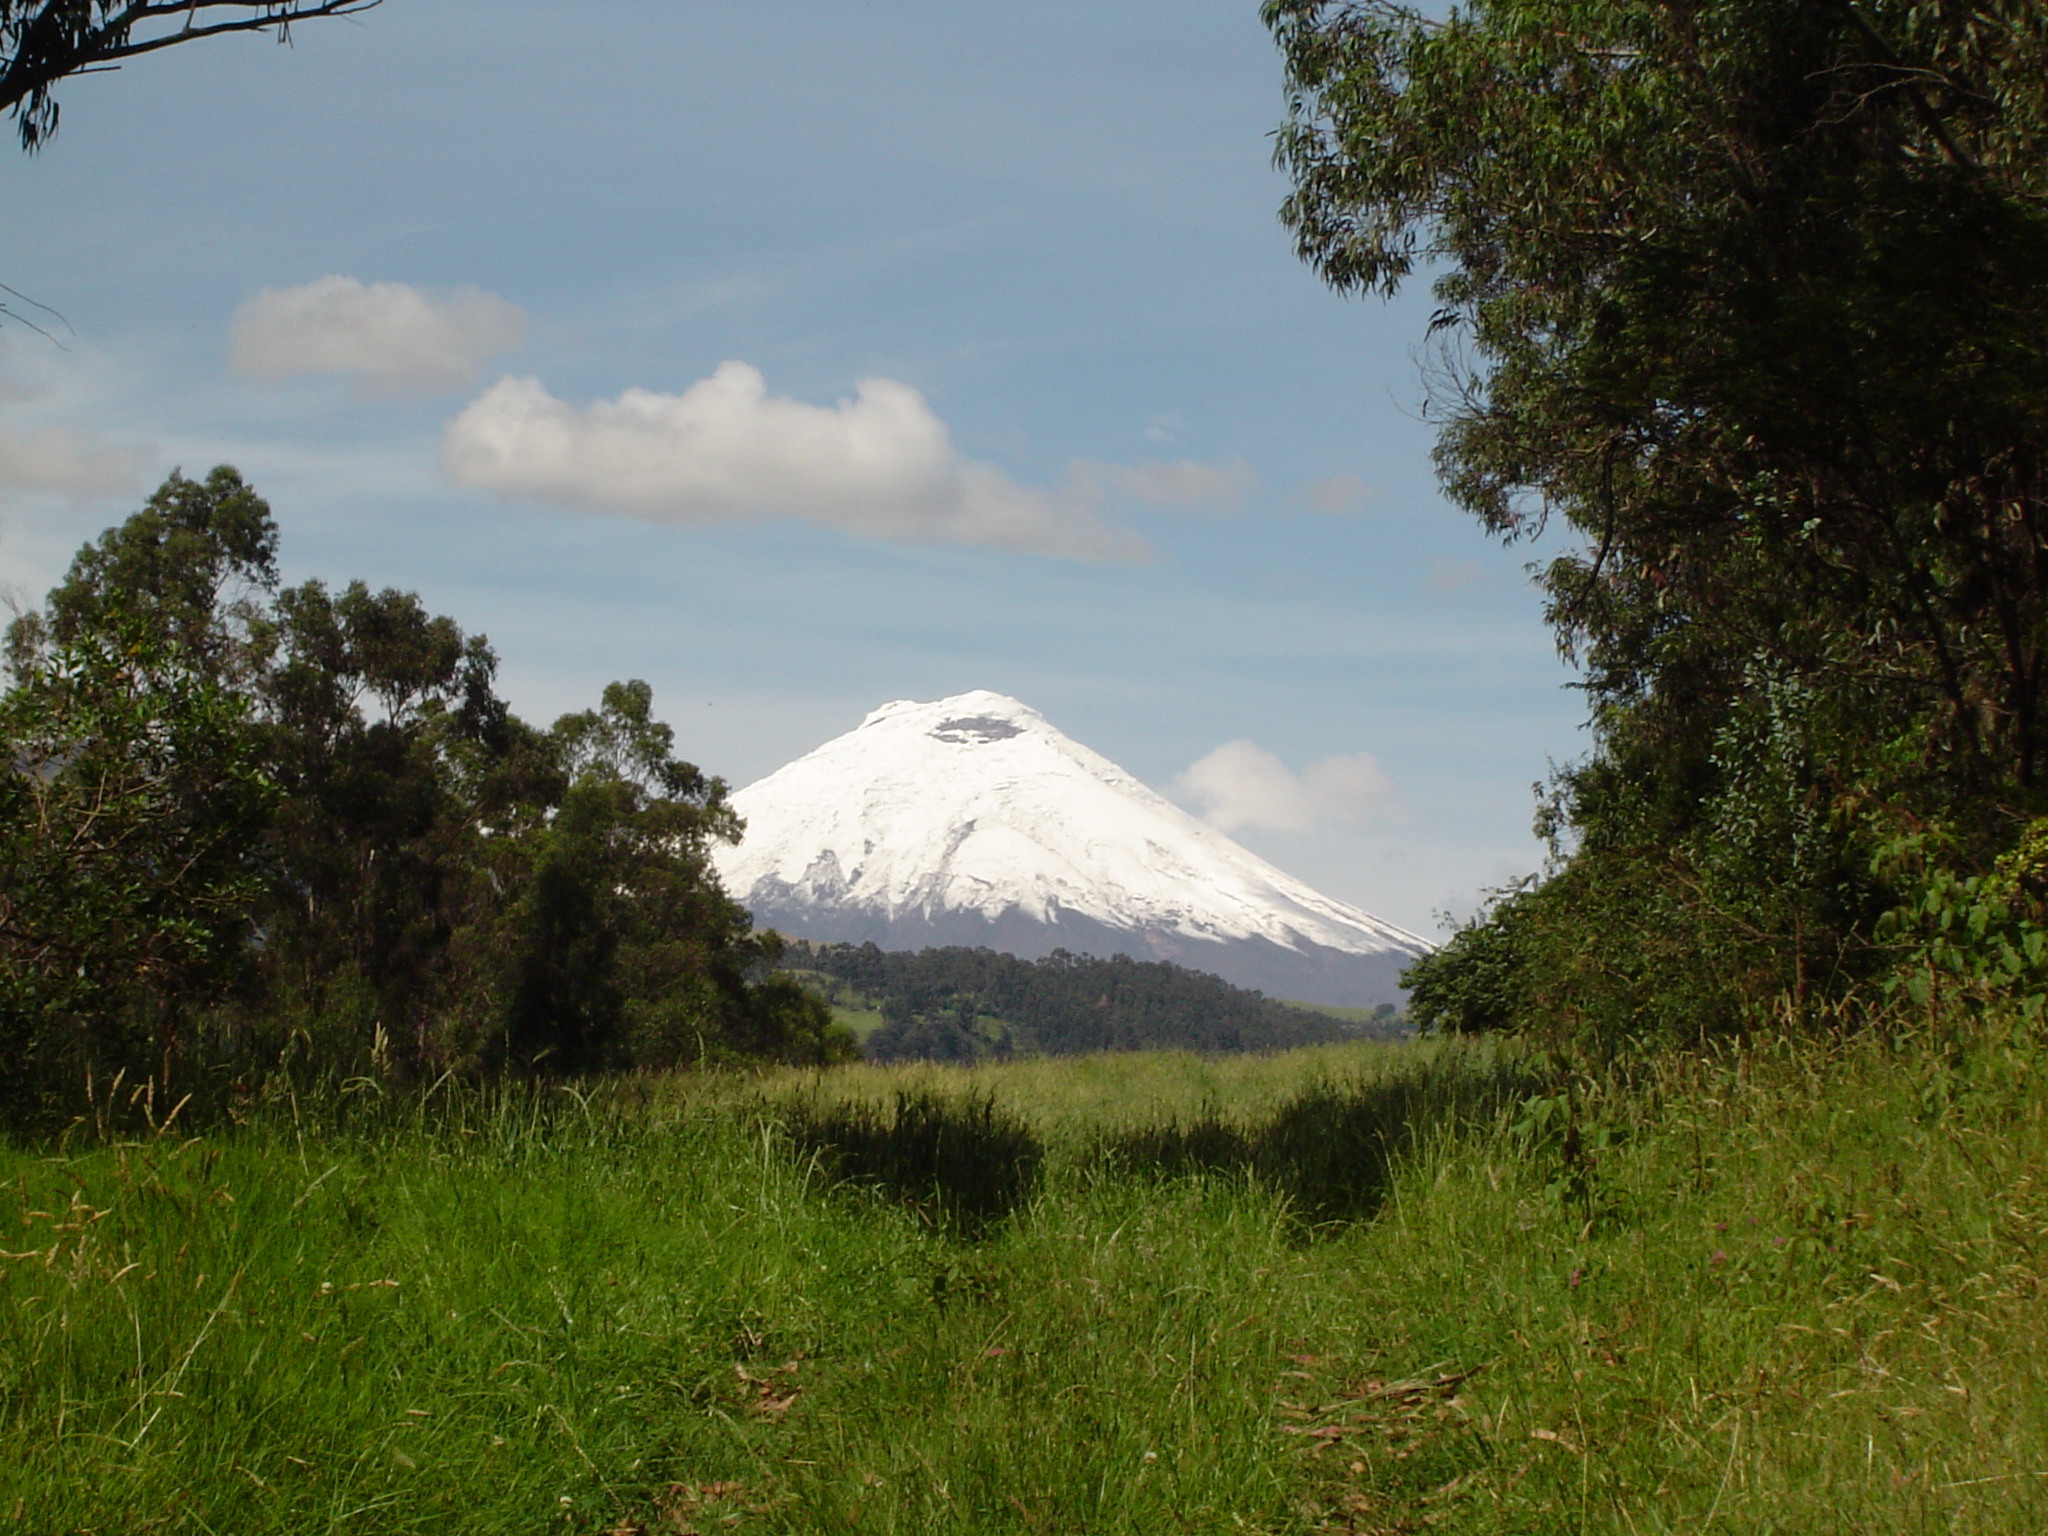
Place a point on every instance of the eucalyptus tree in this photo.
(132, 792)
(1748, 296)
(242, 824)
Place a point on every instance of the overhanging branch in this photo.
(45, 41)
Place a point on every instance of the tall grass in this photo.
(1332, 1149)
(1795, 1287)
(958, 1162)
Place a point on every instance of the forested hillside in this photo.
(960, 1004)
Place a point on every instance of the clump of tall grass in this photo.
(1330, 1149)
(961, 1162)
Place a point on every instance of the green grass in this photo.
(1797, 1289)
(1349, 1015)
(862, 1021)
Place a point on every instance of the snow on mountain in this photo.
(974, 821)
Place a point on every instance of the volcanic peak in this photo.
(973, 820)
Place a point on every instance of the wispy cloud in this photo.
(1177, 483)
(1242, 785)
(388, 337)
(1448, 576)
(77, 466)
(1339, 493)
(880, 464)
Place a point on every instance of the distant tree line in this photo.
(960, 1004)
(247, 829)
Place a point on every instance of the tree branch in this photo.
(60, 38)
(1907, 81)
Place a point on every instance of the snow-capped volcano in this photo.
(974, 821)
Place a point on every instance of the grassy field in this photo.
(862, 1021)
(1793, 1289)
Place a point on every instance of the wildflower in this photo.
(1719, 1259)
(1573, 1283)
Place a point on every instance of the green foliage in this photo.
(1971, 943)
(130, 789)
(246, 831)
(1748, 297)
(191, 565)
(1633, 947)
(1476, 980)
(393, 752)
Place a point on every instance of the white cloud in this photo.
(60, 462)
(387, 336)
(1180, 483)
(1241, 784)
(879, 465)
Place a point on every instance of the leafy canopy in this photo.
(248, 833)
(1748, 296)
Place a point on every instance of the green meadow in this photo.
(1433, 1286)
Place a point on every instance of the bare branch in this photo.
(45, 41)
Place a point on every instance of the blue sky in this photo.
(1035, 395)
